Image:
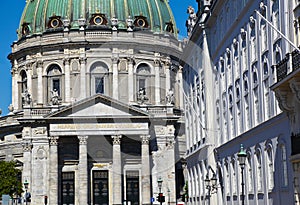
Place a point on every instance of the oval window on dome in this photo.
(25, 30)
(54, 23)
(98, 20)
(141, 22)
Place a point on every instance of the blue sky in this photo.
(10, 14)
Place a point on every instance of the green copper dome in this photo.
(41, 16)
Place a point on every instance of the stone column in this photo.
(115, 90)
(157, 81)
(82, 77)
(146, 185)
(130, 80)
(180, 86)
(167, 70)
(67, 80)
(117, 170)
(82, 170)
(53, 172)
(15, 89)
(29, 78)
(40, 82)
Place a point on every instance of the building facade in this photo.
(228, 73)
(96, 108)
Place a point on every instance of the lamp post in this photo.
(242, 158)
(210, 184)
(26, 183)
(159, 182)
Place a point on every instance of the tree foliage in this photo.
(10, 182)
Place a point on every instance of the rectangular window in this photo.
(56, 85)
(68, 188)
(99, 85)
(142, 83)
(100, 187)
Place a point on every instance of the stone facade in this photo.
(229, 102)
(90, 118)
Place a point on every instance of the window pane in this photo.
(99, 85)
(56, 85)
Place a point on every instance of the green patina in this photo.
(38, 12)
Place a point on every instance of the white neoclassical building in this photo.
(96, 105)
(228, 71)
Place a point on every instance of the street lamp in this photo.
(211, 184)
(26, 183)
(242, 158)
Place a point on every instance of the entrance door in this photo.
(132, 187)
(68, 188)
(100, 187)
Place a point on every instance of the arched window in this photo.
(22, 86)
(259, 170)
(270, 167)
(98, 78)
(143, 78)
(284, 166)
(23, 82)
(54, 81)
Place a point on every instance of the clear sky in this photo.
(10, 14)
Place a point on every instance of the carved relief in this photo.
(283, 100)
(39, 131)
(27, 145)
(295, 87)
(41, 153)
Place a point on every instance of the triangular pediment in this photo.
(98, 106)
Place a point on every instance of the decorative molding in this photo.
(27, 145)
(53, 140)
(283, 100)
(145, 139)
(83, 140)
(116, 139)
(295, 87)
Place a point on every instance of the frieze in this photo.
(98, 126)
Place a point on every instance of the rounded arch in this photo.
(98, 71)
(52, 65)
(96, 64)
(143, 63)
(55, 85)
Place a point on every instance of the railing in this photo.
(39, 111)
(282, 69)
(289, 64)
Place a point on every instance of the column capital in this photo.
(115, 59)
(39, 63)
(82, 60)
(131, 60)
(156, 62)
(27, 145)
(66, 61)
(145, 139)
(53, 140)
(83, 140)
(116, 139)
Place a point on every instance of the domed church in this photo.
(96, 103)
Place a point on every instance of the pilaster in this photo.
(115, 90)
(130, 79)
(167, 71)
(157, 81)
(82, 169)
(53, 172)
(67, 80)
(146, 185)
(117, 170)
(82, 77)
(40, 82)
